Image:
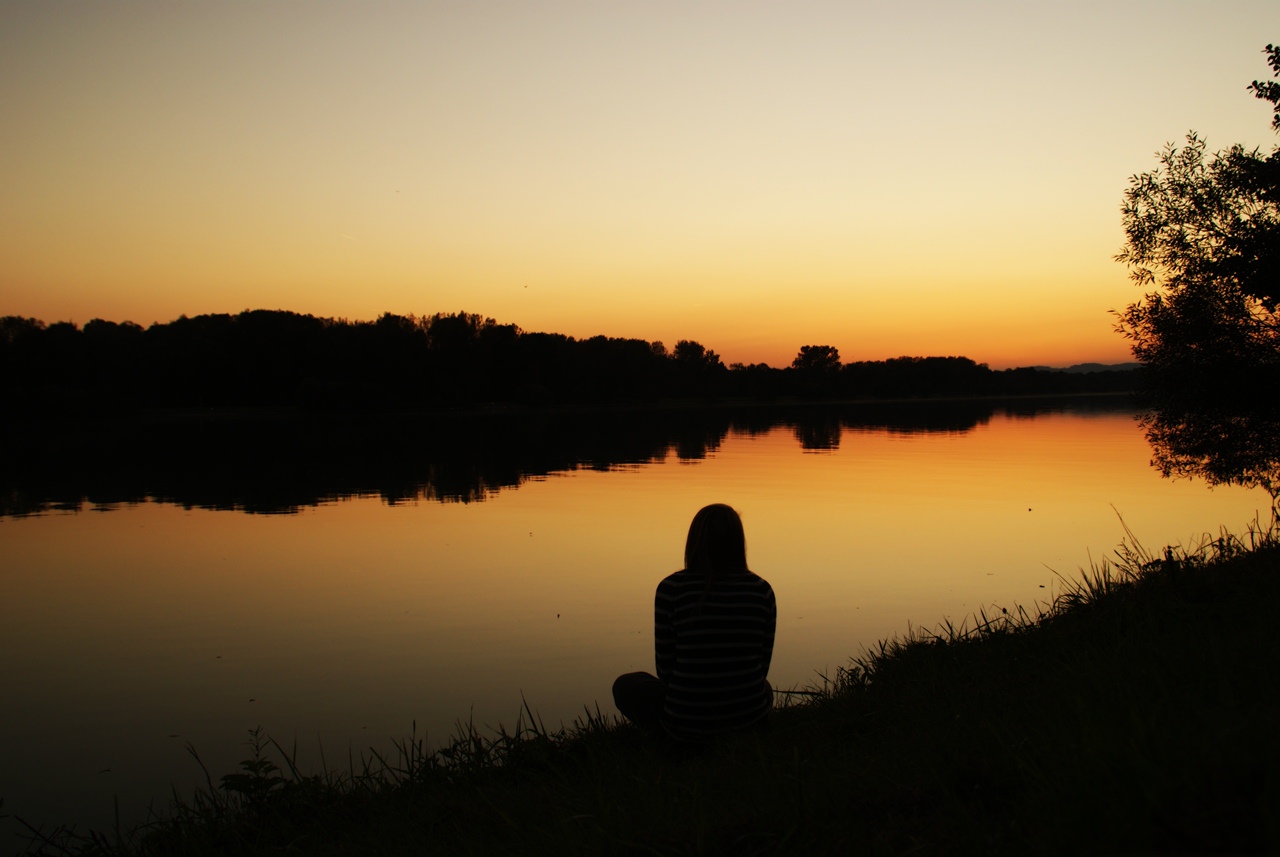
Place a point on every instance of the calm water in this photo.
(141, 618)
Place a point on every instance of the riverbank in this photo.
(1137, 714)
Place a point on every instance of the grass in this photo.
(1137, 712)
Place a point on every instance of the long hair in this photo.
(716, 544)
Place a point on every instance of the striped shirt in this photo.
(713, 654)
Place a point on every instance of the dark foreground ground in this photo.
(1141, 713)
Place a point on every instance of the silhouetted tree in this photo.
(818, 368)
(817, 359)
(699, 368)
(694, 355)
(114, 368)
(920, 376)
(757, 381)
(1203, 232)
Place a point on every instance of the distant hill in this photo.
(1081, 368)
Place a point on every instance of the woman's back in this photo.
(713, 639)
(713, 645)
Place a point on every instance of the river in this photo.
(339, 586)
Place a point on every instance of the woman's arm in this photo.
(771, 606)
(664, 634)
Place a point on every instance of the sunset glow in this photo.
(914, 178)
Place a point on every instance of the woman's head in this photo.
(716, 543)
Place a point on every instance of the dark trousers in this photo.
(639, 697)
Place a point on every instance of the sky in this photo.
(908, 178)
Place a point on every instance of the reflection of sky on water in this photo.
(351, 620)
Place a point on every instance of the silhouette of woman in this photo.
(713, 633)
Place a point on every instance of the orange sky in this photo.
(909, 178)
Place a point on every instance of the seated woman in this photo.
(713, 639)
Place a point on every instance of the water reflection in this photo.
(1240, 448)
(128, 634)
(283, 464)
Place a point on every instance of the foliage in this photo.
(818, 359)
(1205, 226)
(1269, 90)
(1203, 233)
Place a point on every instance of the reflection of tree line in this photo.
(265, 357)
(281, 465)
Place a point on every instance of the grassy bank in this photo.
(1138, 712)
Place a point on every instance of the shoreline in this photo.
(275, 413)
(990, 736)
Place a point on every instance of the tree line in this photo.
(278, 358)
